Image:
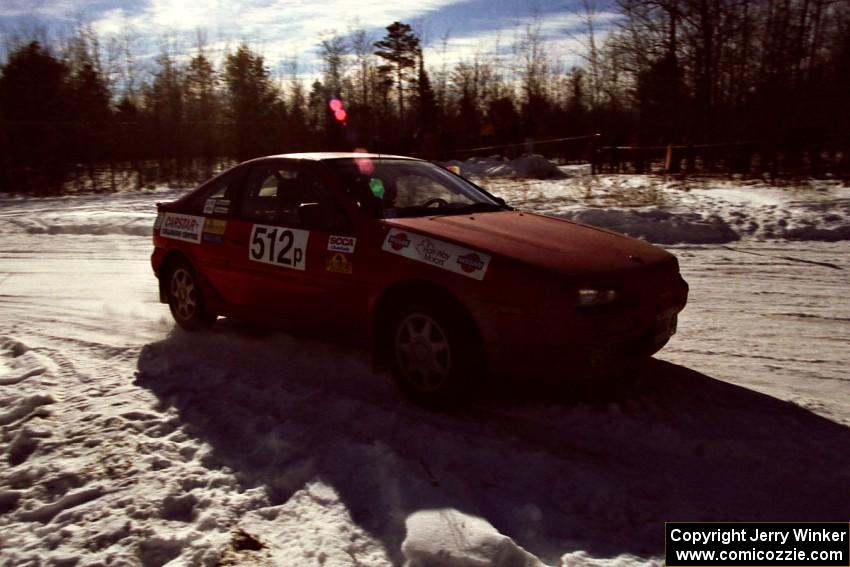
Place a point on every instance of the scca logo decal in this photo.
(342, 244)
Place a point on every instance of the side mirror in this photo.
(500, 201)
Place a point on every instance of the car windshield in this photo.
(391, 188)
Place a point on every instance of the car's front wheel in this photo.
(434, 353)
(185, 299)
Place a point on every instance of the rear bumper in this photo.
(156, 260)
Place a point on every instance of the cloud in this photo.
(284, 30)
(281, 29)
(292, 20)
(564, 34)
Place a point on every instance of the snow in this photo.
(528, 166)
(698, 211)
(454, 539)
(126, 441)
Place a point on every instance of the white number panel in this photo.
(278, 245)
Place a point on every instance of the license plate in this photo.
(665, 325)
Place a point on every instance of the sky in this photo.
(290, 30)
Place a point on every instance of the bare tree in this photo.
(333, 48)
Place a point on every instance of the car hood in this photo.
(551, 243)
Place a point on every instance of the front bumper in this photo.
(558, 345)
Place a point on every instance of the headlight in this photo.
(588, 297)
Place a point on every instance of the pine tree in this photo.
(400, 48)
(164, 101)
(427, 115)
(251, 99)
(202, 109)
(33, 107)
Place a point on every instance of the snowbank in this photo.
(652, 208)
(688, 212)
(529, 167)
(107, 214)
(659, 226)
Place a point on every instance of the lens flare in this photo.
(335, 104)
(364, 164)
(340, 114)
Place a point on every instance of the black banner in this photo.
(763, 544)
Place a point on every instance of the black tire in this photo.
(185, 299)
(434, 353)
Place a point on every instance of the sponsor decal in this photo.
(398, 240)
(470, 262)
(445, 255)
(216, 206)
(222, 207)
(215, 226)
(342, 244)
(214, 231)
(339, 264)
(182, 227)
(431, 253)
(279, 246)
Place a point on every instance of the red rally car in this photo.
(440, 278)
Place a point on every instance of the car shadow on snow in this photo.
(599, 471)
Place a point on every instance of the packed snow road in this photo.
(126, 441)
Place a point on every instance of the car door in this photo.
(341, 270)
(280, 243)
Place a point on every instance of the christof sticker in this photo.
(339, 264)
(439, 253)
(344, 244)
(209, 206)
(279, 246)
(182, 227)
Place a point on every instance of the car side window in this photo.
(216, 197)
(291, 196)
(412, 190)
(268, 194)
(319, 209)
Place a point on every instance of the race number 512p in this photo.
(280, 246)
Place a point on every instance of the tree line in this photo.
(748, 86)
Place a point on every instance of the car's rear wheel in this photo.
(185, 299)
(434, 353)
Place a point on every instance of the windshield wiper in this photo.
(451, 209)
(471, 208)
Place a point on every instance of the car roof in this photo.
(326, 156)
